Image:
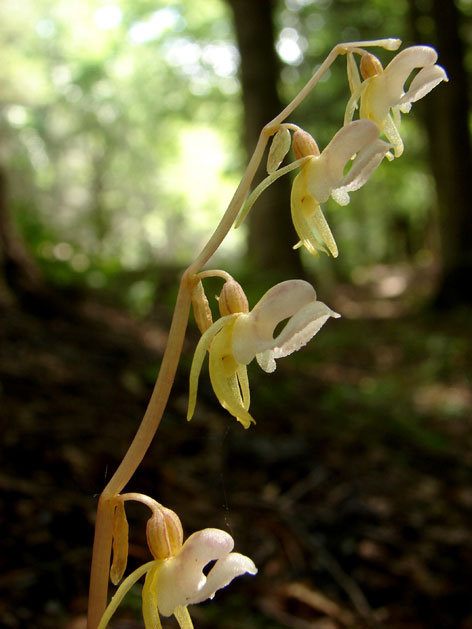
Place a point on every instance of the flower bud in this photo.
(164, 533)
(370, 65)
(304, 144)
(232, 299)
(201, 308)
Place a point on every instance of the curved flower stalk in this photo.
(321, 176)
(381, 94)
(176, 578)
(239, 336)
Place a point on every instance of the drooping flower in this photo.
(176, 577)
(322, 175)
(381, 93)
(239, 336)
(180, 580)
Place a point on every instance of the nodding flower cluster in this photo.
(240, 335)
(175, 577)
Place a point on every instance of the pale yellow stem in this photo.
(157, 403)
(145, 500)
(138, 448)
(215, 273)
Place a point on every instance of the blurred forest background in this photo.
(125, 127)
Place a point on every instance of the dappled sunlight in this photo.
(447, 401)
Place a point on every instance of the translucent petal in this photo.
(399, 69)
(226, 384)
(426, 80)
(254, 333)
(319, 223)
(353, 75)
(223, 572)
(326, 174)
(244, 386)
(278, 149)
(301, 328)
(393, 136)
(198, 358)
(302, 206)
(266, 361)
(183, 617)
(149, 599)
(364, 164)
(340, 196)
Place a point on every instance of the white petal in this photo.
(223, 572)
(181, 578)
(400, 68)
(327, 172)
(266, 361)
(301, 328)
(426, 80)
(393, 135)
(340, 196)
(386, 89)
(362, 167)
(253, 332)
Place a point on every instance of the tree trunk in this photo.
(18, 272)
(271, 234)
(447, 122)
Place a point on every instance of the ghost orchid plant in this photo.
(175, 577)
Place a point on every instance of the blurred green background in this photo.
(121, 129)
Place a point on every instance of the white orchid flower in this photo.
(173, 583)
(180, 580)
(381, 93)
(322, 175)
(240, 336)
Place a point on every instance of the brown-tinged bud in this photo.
(232, 299)
(164, 533)
(303, 144)
(120, 543)
(201, 308)
(370, 65)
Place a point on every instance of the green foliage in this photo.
(121, 128)
(111, 115)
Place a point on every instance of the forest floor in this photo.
(352, 493)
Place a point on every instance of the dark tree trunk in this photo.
(447, 121)
(18, 272)
(271, 235)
